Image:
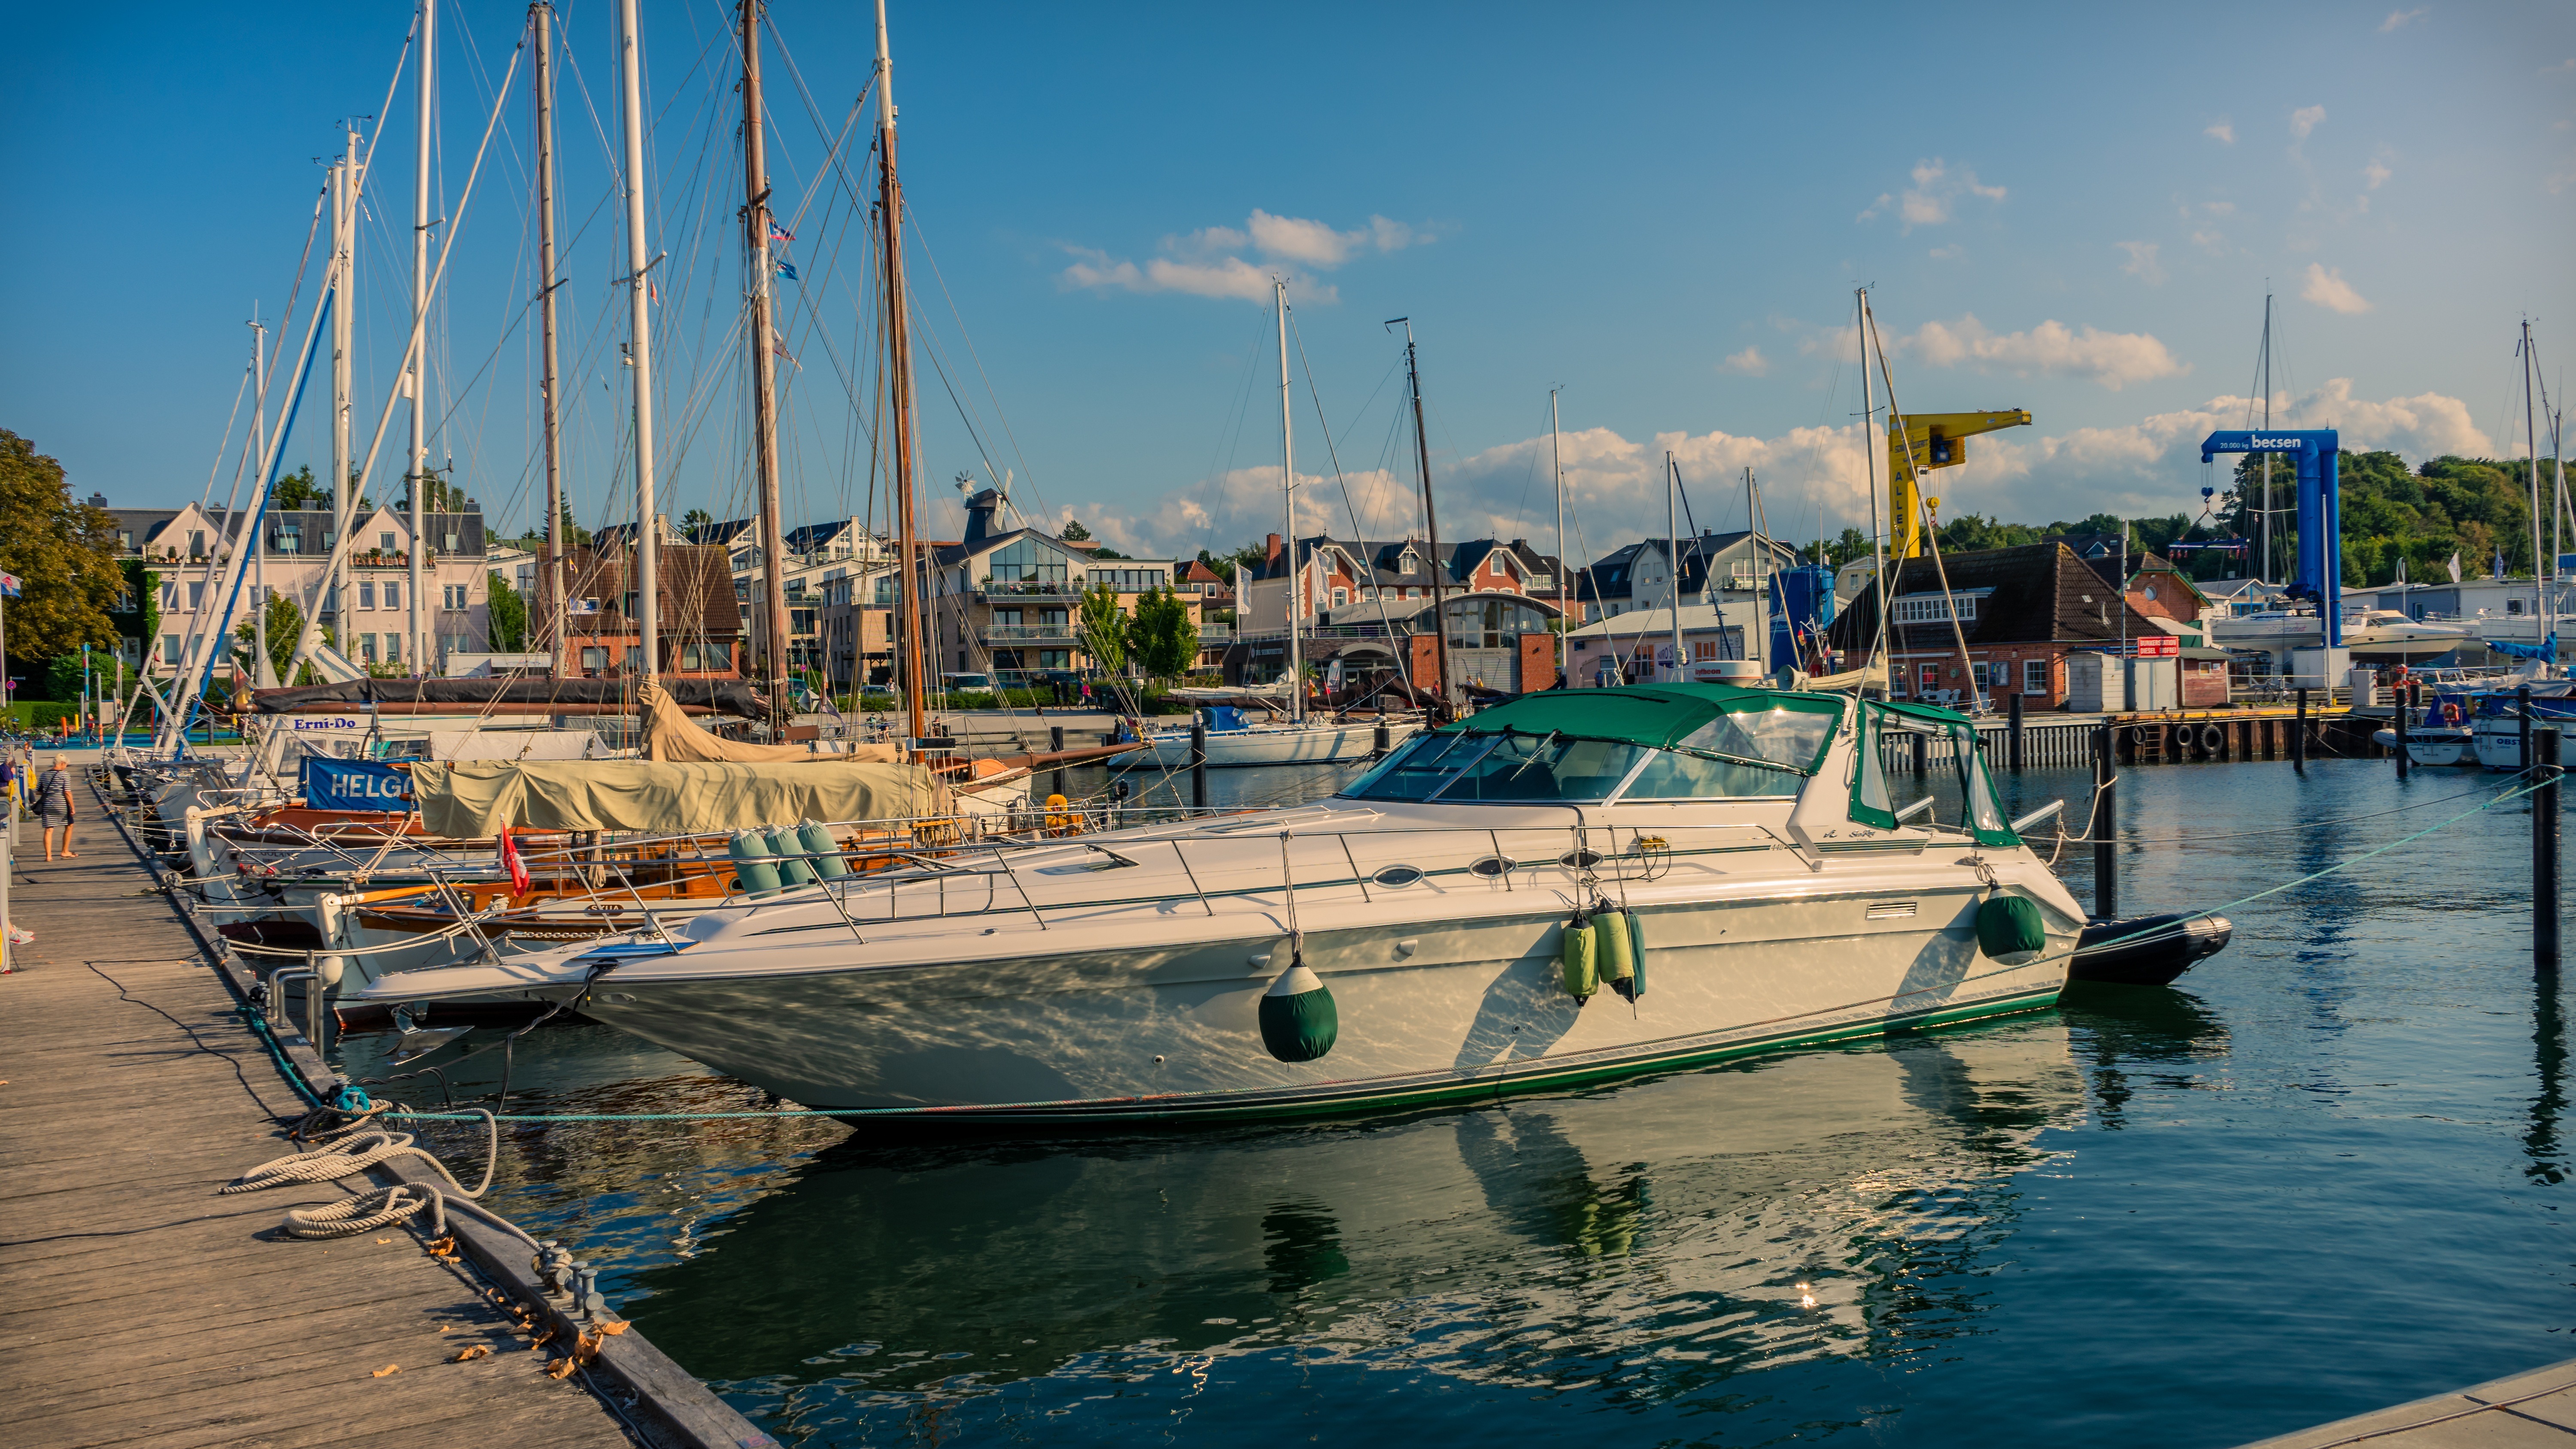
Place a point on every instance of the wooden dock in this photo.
(139, 1308)
(2537, 1409)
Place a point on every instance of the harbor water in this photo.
(2324, 1173)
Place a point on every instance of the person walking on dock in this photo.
(54, 806)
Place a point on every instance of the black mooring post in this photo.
(1382, 741)
(1055, 742)
(2299, 737)
(2106, 871)
(2013, 734)
(2522, 706)
(2400, 717)
(2544, 854)
(1198, 763)
(1922, 752)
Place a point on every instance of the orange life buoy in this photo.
(2450, 713)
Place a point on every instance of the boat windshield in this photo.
(1453, 768)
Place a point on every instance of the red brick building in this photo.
(2023, 610)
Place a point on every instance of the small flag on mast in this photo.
(8, 586)
(787, 270)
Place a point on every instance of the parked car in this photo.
(962, 683)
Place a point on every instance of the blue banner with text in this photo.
(354, 785)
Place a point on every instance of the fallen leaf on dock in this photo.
(446, 1328)
(470, 1353)
(391, 1368)
(613, 1329)
(560, 1369)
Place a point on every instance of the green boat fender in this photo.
(793, 868)
(1635, 985)
(2010, 930)
(1614, 951)
(1298, 1019)
(817, 839)
(1578, 950)
(754, 875)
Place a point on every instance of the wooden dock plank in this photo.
(2535, 1409)
(138, 1307)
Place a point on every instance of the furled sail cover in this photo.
(473, 801)
(724, 696)
(668, 735)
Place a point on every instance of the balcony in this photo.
(1027, 588)
(1016, 634)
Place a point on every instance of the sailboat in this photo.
(1226, 735)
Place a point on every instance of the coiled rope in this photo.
(349, 1150)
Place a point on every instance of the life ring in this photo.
(2450, 712)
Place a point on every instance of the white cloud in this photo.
(2222, 130)
(2112, 359)
(1950, 253)
(2327, 288)
(1749, 362)
(1933, 198)
(2376, 174)
(2305, 121)
(2209, 238)
(2219, 208)
(2397, 18)
(1208, 262)
(2151, 466)
(2142, 263)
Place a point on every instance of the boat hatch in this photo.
(1397, 876)
(1890, 910)
(1579, 859)
(1493, 865)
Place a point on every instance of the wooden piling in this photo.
(2013, 752)
(2299, 737)
(1922, 751)
(2399, 715)
(2522, 707)
(2106, 879)
(2544, 853)
(1055, 742)
(1198, 763)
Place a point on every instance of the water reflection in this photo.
(1658, 1237)
(2549, 1060)
(2136, 1038)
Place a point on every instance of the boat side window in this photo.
(1783, 736)
(1672, 776)
(1545, 767)
(1421, 767)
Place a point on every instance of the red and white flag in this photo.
(511, 862)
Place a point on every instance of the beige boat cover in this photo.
(669, 734)
(472, 801)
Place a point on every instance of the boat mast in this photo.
(1869, 460)
(899, 383)
(1296, 576)
(764, 378)
(541, 14)
(344, 485)
(1673, 541)
(2263, 574)
(639, 348)
(2531, 450)
(1430, 526)
(1556, 460)
(258, 574)
(414, 364)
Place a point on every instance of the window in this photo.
(594, 659)
(197, 543)
(1025, 561)
(1930, 675)
(455, 595)
(693, 656)
(455, 643)
(197, 595)
(290, 539)
(1341, 598)
(366, 596)
(169, 648)
(1703, 649)
(885, 588)
(125, 539)
(2034, 676)
(385, 543)
(169, 597)
(449, 545)
(393, 649)
(1006, 619)
(1466, 768)
(635, 659)
(1935, 608)
(628, 605)
(393, 596)
(367, 648)
(527, 578)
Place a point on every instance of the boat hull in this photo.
(1429, 1013)
(1260, 745)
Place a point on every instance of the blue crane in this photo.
(2320, 571)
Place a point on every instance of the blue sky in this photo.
(1663, 209)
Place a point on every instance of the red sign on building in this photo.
(2159, 646)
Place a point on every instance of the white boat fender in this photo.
(2010, 930)
(817, 839)
(1578, 955)
(793, 868)
(1298, 1019)
(754, 874)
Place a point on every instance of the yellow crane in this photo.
(1929, 441)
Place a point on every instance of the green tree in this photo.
(508, 612)
(695, 519)
(298, 488)
(1166, 642)
(63, 552)
(1104, 629)
(1252, 556)
(285, 626)
(1074, 531)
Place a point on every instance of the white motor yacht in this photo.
(2372, 633)
(1232, 740)
(1571, 886)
